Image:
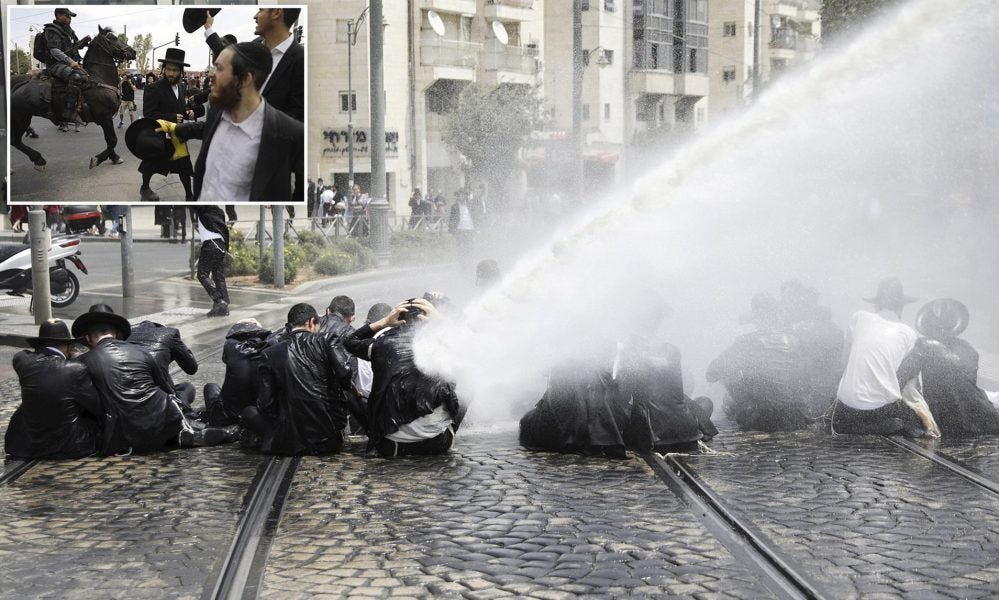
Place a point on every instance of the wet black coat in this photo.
(59, 411)
(303, 380)
(950, 386)
(141, 411)
(243, 353)
(400, 393)
(166, 346)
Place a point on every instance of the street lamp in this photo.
(352, 26)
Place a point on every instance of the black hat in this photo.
(762, 307)
(64, 11)
(247, 329)
(890, 293)
(175, 56)
(943, 317)
(194, 18)
(101, 314)
(146, 143)
(52, 332)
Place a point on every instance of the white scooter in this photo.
(15, 269)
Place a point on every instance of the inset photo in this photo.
(145, 103)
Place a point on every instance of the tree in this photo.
(20, 62)
(489, 127)
(123, 38)
(843, 16)
(142, 45)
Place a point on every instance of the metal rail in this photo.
(946, 462)
(242, 568)
(14, 469)
(741, 538)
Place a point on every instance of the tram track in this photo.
(746, 543)
(943, 460)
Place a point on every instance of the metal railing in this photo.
(513, 3)
(498, 57)
(438, 52)
(336, 226)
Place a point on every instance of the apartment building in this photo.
(790, 31)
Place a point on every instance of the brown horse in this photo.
(31, 97)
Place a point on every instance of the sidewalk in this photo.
(143, 229)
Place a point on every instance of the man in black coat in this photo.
(409, 411)
(167, 99)
(214, 235)
(62, 60)
(304, 381)
(242, 354)
(250, 150)
(60, 410)
(143, 413)
(166, 346)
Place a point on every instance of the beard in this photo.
(172, 79)
(225, 97)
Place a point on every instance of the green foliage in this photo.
(143, 45)
(421, 247)
(313, 244)
(334, 262)
(489, 127)
(20, 62)
(293, 259)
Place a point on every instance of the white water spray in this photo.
(879, 159)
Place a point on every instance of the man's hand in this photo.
(180, 118)
(209, 20)
(190, 114)
(430, 312)
(75, 65)
(165, 126)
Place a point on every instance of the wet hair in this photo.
(487, 272)
(253, 58)
(378, 312)
(342, 305)
(300, 314)
(103, 329)
(290, 16)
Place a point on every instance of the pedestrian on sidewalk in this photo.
(214, 236)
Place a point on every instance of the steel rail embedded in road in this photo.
(946, 462)
(740, 537)
(15, 469)
(242, 568)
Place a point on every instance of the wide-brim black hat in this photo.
(52, 333)
(101, 314)
(247, 329)
(146, 143)
(943, 317)
(890, 293)
(175, 56)
(194, 18)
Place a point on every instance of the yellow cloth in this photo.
(179, 147)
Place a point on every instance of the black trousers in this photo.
(211, 271)
(891, 419)
(435, 445)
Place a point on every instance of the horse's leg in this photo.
(111, 139)
(19, 123)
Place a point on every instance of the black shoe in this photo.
(209, 436)
(706, 405)
(219, 309)
(148, 195)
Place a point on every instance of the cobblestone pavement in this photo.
(979, 453)
(493, 520)
(862, 517)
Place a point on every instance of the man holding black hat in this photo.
(869, 399)
(63, 60)
(60, 409)
(143, 413)
(167, 99)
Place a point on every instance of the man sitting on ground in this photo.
(60, 410)
(166, 346)
(305, 378)
(409, 412)
(243, 353)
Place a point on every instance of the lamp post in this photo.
(352, 26)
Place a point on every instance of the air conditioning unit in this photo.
(604, 57)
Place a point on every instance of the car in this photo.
(79, 218)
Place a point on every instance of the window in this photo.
(607, 111)
(586, 112)
(344, 107)
(466, 29)
(728, 29)
(585, 4)
(586, 58)
(609, 6)
(341, 30)
(654, 58)
(608, 56)
(692, 67)
(728, 74)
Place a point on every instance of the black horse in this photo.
(31, 97)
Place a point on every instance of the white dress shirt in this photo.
(277, 53)
(232, 158)
(880, 342)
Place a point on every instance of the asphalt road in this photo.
(68, 179)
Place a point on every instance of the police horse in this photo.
(33, 97)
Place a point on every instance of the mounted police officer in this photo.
(63, 60)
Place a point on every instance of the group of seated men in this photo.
(295, 388)
(893, 379)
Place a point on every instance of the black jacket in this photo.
(142, 412)
(303, 382)
(278, 160)
(61, 37)
(159, 101)
(400, 393)
(285, 89)
(213, 218)
(243, 354)
(166, 346)
(59, 412)
(950, 386)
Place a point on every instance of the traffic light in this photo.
(176, 40)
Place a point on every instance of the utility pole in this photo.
(577, 99)
(757, 48)
(41, 240)
(127, 257)
(277, 213)
(378, 206)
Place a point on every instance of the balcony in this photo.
(649, 81)
(462, 7)
(691, 84)
(509, 10)
(508, 64)
(449, 59)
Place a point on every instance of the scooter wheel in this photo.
(68, 296)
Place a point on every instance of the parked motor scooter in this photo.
(15, 269)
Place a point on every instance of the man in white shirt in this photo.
(869, 398)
